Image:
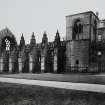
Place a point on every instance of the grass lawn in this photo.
(82, 78)
(15, 94)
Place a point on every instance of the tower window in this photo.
(77, 29)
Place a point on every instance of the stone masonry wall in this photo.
(79, 50)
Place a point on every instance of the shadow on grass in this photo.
(14, 94)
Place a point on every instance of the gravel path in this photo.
(55, 84)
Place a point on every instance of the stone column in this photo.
(10, 65)
(42, 64)
(55, 63)
(20, 64)
(1, 64)
(30, 64)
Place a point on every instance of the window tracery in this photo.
(7, 44)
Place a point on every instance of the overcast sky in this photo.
(27, 16)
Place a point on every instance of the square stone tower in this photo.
(81, 31)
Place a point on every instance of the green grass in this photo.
(82, 78)
(15, 94)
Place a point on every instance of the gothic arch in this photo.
(8, 51)
(77, 28)
(7, 39)
(8, 43)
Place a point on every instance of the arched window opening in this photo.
(77, 29)
(80, 28)
(7, 42)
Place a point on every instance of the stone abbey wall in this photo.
(82, 51)
(32, 57)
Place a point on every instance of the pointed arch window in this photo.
(7, 44)
(80, 30)
(77, 28)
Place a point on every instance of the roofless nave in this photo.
(82, 51)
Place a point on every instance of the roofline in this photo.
(84, 13)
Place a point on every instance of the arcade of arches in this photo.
(82, 50)
(32, 57)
